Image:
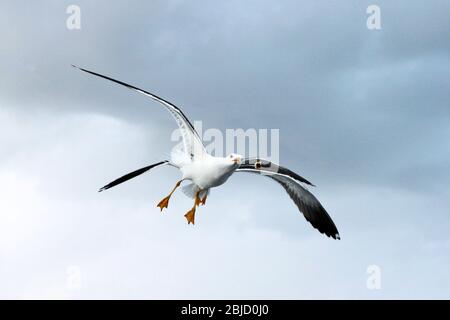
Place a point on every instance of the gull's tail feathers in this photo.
(190, 190)
(131, 175)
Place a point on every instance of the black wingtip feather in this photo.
(316, 215)
(130, 175)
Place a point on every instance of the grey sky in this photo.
(362, 114)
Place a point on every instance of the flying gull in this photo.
(205, 171)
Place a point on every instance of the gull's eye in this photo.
(258, 165)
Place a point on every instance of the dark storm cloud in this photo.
(351, 103)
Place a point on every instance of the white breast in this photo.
(208, 173)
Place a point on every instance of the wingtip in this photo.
(77, 67)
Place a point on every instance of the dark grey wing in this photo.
(311, 208)
(266, 166)
(306, 202)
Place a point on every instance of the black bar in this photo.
(223, 309)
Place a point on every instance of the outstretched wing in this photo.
(131, 175)
(192, 143)
(311, 208)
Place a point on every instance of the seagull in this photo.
(205, 171)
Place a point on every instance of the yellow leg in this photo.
(164, 203)
(197, 199)
(190, 215)
(204, 200)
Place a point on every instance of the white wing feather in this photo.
(192, 143)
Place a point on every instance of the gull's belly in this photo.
(207, 175)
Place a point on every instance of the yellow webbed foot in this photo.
(164, 203)
(190, 216)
